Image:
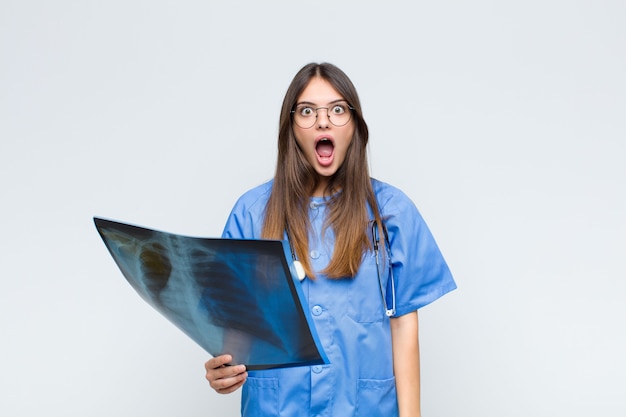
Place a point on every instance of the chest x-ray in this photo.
(230, 296)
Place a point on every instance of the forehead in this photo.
(319, 91)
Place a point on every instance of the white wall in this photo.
(504, 121)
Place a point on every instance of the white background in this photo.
(505, 122)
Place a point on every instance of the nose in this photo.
(322, 121)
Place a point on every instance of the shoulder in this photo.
(398, 211)
(391, 200)
(255, 198)
(246, 217)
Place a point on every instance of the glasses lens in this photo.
(304, 116)
(338, 114)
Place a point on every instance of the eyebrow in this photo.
(310, 103)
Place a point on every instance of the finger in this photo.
(226, 386)
(225, 372)
(217, 361)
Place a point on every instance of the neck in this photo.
(321, 189)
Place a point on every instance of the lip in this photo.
(322, 137)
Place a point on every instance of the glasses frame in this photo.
(328, 115)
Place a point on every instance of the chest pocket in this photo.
(366, 305)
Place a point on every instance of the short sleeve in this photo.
(420, 271)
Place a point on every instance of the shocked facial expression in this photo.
(324, 144)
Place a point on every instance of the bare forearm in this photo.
(406, 363)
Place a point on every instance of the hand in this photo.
(222, 378)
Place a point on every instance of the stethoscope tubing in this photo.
(390, 312)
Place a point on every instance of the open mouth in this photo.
(324, 148)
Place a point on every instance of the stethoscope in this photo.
(390, 312)
(376, 241)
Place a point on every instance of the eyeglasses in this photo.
(339, 114)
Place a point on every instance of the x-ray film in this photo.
(230, 296)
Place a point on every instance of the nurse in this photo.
(323, 200)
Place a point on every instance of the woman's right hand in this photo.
(223, 378)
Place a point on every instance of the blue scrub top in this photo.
(348, 313)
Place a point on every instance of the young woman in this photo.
(324, 202)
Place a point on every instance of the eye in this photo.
(305, 111)
(338, 109)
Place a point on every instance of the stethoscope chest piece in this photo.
(297, 265)
(299, 270)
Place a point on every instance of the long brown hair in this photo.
(295, 179)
